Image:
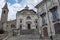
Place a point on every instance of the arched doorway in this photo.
(57, 28)
(45, 31)
(28, 24)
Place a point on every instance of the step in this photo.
(30, 36)
(25, 37)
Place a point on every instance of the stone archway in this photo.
(45, 31)
(57, 28)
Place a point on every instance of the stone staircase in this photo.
(46, 38)
(2, 36)
(13, 38)
(24, 37)
(32, 37)
(23, 32)
(29, 37)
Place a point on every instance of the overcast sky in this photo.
(16, 5)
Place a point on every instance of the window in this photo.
(2, 23)
(14, 33)
(20, 26)
(36, 21)
(54, 14)
(4, 11)
(13, 26)
(28, 17)
(36, 26)
(43, 18)
(20, 20)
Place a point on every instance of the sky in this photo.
(17, 5)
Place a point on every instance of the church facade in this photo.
(30, 25)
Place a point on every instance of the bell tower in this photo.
(4, 15)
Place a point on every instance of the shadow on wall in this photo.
(1, 31)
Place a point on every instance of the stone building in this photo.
(6, 27)
(30, 25)
(27, 19)
(4, 17)
(49, 18)
(25, 24)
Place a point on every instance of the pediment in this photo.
(26, 12)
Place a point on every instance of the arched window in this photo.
(4, 11)
(28, 17)
(54, 13)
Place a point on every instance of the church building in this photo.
(30, 25)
